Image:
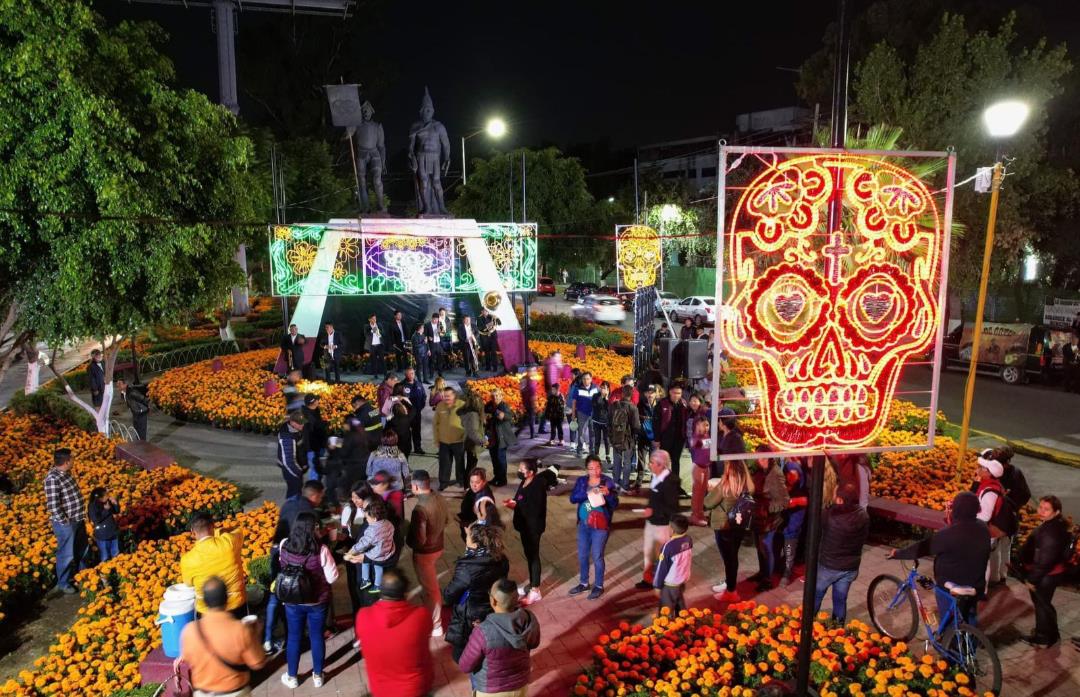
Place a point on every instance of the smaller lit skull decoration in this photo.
(639, 255)
(830, 316)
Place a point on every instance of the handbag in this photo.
(596, 520)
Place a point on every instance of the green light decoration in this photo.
(397, 265)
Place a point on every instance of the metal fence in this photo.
(186, 355)
(122, 431)
(568, 339)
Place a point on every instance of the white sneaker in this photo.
(437, 631)
(521, 591)
(268, 647)
(316, 679)
(289, 681)
(720, 587)
(533, 597)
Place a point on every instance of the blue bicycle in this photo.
(896, 609)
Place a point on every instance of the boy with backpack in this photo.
(625, 427)
(673, 570)
(1000, 516)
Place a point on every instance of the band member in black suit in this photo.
(333, 348)
(288, 350)
(375, 346)
(487, 325)
(446, 338)
(433, 332)
(399, 336)
(470, 346)
(97, 378)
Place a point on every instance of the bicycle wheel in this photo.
(893, 616)
(978, 658)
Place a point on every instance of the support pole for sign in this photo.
(817, 474)
(980, 307)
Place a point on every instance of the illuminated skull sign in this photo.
(639, 255)
(829, 316)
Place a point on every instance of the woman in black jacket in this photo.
(346, 464)
(1044, 555)
(530, 520)
(483, 563)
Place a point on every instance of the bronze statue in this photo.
(372, 154)
(429, 158)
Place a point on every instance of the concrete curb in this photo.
(1044, 452)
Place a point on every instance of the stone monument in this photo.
(371, 154)
(429, 159)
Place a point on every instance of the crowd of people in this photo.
(346, 511)
(426, 345)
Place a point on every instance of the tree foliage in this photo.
(938, 97)
(557, 200)
(98, 149)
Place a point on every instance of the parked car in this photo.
(1015, 352)
(600, 308)
(578, 290)
(546, 286)
(696, 306)
(665, 302)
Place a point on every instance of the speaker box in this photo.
(668, 359)
(697, 358)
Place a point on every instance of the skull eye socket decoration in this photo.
(830, 316)
(639, 254)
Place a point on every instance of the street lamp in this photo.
(495, 128)
(1002, 120)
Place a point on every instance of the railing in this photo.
(122, 431)
(186, 355)
(568, 339)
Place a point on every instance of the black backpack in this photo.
(293, 584)
(620, 422)
(1007, 517)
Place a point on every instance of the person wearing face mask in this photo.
(483, 563)
(530, 520)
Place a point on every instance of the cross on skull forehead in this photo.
(829, 316)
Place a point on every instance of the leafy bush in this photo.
(50, 402)
(259, 571)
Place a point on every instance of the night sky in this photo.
(560, 72)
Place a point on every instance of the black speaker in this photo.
(669, 361)
(697, 359)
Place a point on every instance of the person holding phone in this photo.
(596, 501)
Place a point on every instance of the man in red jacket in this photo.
(394, 635)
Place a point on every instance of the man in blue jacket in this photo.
(292, 467)
(581, 406)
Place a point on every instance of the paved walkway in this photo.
(571, 625)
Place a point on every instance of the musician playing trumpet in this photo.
(487, 325)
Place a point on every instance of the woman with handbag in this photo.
(596, 501)
(307, 571)
(730, 503)
(483, 563)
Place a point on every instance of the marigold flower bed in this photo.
(115, 629)
(605, 366)
(235, 396)
(153, 503)
(701, 652)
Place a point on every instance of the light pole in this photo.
(495, 128)
(1002, 120)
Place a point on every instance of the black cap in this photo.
(310, 399)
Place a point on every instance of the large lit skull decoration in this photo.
(830, 316)
(639, 255)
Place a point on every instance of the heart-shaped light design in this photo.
(789, 306)
(877, 305)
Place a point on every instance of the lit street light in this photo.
(1002, 120)
(495, 128)
(611, 199)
